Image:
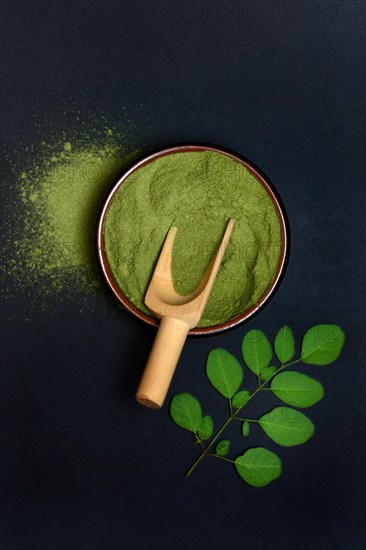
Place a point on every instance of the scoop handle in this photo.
(163, 359)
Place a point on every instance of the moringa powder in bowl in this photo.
(197, 189)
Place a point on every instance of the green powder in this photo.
(197, 192)
(50, 228)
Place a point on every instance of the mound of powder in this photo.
(50, 227)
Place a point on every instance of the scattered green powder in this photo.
(197, 192)
(50, 231)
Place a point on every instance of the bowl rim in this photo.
(183, 148)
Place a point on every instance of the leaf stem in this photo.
(199, 440)
(283, 366)
(222, 457)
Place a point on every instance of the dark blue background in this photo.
(283, 83)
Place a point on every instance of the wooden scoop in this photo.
(178, 315)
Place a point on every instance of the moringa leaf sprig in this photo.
(286, 426)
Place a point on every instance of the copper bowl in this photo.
(182, 148)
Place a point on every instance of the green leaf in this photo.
(245, 428)
(186, 412)
(322, 344)
(223, 447)
(240, 399)
(284, 344)
(206, 429)
(224, 372)
(267, 372)
(258, 466)
(256, 350)
(286, 426)
(297, 389)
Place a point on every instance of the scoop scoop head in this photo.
(161, 297)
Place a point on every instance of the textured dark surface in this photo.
(283, 83)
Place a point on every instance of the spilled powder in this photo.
(50, 225)
(197, 192)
